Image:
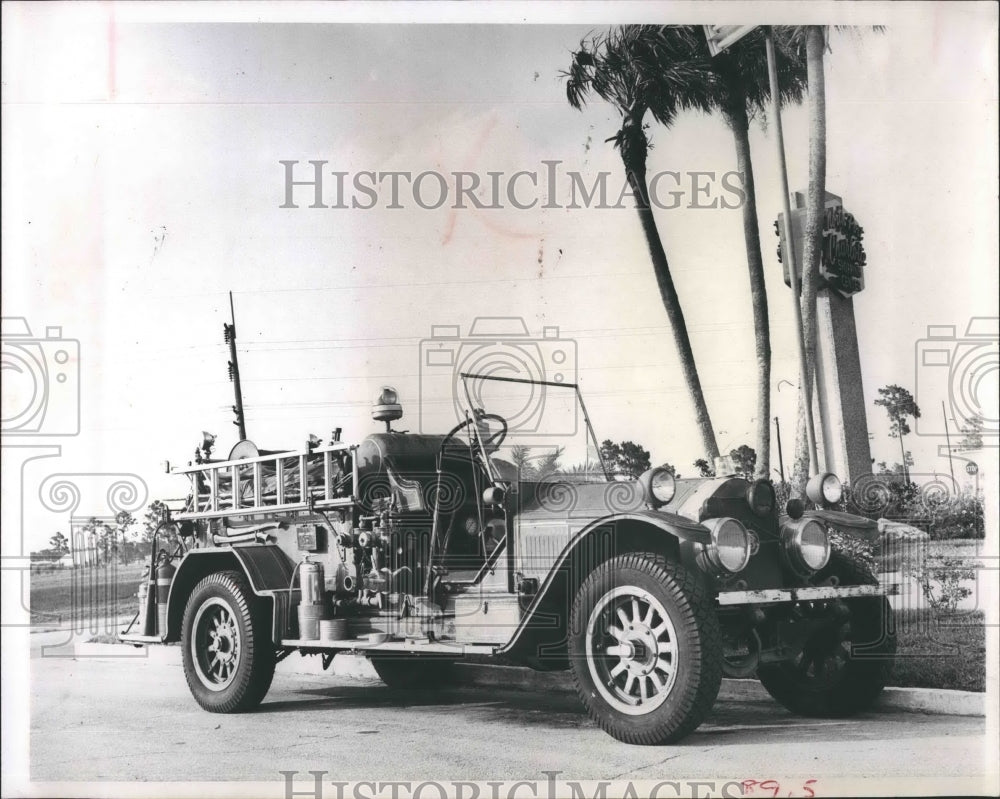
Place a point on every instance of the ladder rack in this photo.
(276, 482)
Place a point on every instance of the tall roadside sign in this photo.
(840, 395)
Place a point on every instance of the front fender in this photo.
(857, 526)
(609, 536)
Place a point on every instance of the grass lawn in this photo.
(956, 548)
(97, 592)
(940, 651)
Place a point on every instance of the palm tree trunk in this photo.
(633, 146)
(813, 242)
(737, 120)
(902, 454)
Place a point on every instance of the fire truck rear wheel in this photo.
(843, 666)
(645, 649)
(228, 656)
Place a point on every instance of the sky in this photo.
(142, 182)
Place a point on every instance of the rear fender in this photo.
(541, 633)
(267, 569)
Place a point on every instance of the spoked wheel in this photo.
(843, 665)
(228, 658)
(645, 649)
(632, 650)
(216, 643)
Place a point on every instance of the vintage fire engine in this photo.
(419, 550)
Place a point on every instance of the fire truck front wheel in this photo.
(644, 649)
(228, 656)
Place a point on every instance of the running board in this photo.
(413, 646)
(135, 638)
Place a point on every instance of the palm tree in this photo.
(610, 67)
(814, 39)
(744, 92)
(741, 91)
(810, 42)
(535, 466)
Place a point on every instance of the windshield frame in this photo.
(471, 408)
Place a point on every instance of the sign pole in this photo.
(805, 385)
(781, 458)
(947, 438)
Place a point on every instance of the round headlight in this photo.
(807, 545)
(825, 489)
(761, 498)
(730, 547)
(833, 489)
(658, 486)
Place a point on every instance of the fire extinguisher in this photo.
(147, 602)
(164, 576)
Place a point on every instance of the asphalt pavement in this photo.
(132, 718)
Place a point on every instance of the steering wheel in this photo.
(497, 438)
(493, 441)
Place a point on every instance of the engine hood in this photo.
(557, 499)
(693, 493)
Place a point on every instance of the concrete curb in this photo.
(919, 700)
(939, 701)
(910, 700)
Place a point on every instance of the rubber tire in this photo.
(256, 667)
(414, 673)
(862, 679)
(699, 675)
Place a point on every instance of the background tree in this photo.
(535, 466)
(93, 532)
(610, 66)
(972, 431)
(59, 544)
(739, 89)
(587, 472)
(125, 521)
(98, 539)
(625, 459)
(897, 469)
(899, 405)
(743, 93)
(108, 542)
(669, 468)
(745, 458)
(705, 469)
(520, 456)
(809, 43)
(156, 513)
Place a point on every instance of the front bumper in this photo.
(771, 596)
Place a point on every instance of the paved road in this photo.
(133, 719)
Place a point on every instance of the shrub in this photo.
(857, 549)
(930, 507)
(942, 582)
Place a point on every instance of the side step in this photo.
(411, 645)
